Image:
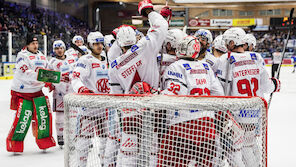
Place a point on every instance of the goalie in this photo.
(29, 101)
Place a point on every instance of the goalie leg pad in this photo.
(21, 124)
(43, 118)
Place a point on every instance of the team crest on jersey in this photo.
(102, 85)
(206, 66)
(134, 48)
(253, 56)
(95, 65)
(232, 59)
(113, 64)
(187, 66)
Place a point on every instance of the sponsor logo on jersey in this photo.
(134, 48)
(39, 63)
(20, 59)
(210, 62)
(205, 66)
(193, 111)
(43, 117)
(43, 58)
(24, 122)
(244, 62)
(187, 66)
(249, 113)
(59, 65)
(232, 59)
(31, 57)
(64, 69)
(71, 61)
(246, 72)
(147, 37)
(126, 60)
(95, 65)
(176, 114)
(100, 73)
(81, 65)
(253, 56)
(113, 64)
(176, 74)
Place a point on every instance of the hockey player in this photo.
(29, 101)
(173, 37)
(62, 64)
(77, 40)
(250, 45)
(91, 76)
(138, 63)
(219, 47)
(205, 38)
(189, 77)
(242, 74)
(294, 62)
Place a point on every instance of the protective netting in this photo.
(144, 131)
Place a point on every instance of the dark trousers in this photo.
(274, 67)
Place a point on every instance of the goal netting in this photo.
(164, 131)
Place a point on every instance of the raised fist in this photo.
(143, 5)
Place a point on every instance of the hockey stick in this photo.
(277, 72)
(75, 47)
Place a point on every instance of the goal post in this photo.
(159, 130)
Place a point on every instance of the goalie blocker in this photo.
(30, 107)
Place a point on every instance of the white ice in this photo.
(281, 130)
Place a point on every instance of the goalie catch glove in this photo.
(277, 84)
(84, 89)
(143, 5)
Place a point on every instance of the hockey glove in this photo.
(277, 84)
(84, 89)
(166, 12)
(50, 86)
(141, 88)
(143, 5)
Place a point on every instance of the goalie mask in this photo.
(77, 38)
(234, 34)
(95, 37)
(126, 36)
(204, 34)
(219, 44)
(174, 36)
(189, 47)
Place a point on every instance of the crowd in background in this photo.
(21, 19)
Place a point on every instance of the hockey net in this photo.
(164, 131)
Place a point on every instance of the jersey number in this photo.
(244, 86)
(174, 88)
(200, 91)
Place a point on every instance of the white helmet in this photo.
(188, 47)
(77, 38)
(205, 33)
(108, 40)
(219, 44)
(250, 39)
(174, 36)
(234, 34)
(126, 36)
(58, 44)
(95, 37)
(85, 49)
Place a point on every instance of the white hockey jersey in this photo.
(167, 60)
(246, 75)
(66, 69)
(186, 77)
(91, 73)
(114, 52)
(71, 52)
(211, 60)
(25, 76)
(140, 62)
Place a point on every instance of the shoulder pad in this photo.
(253, 56)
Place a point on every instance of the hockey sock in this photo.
(60, 127)
(19, 129)
(43, 117)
